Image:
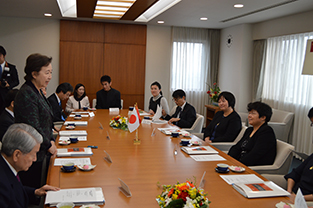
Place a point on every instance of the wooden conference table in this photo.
(142, 166)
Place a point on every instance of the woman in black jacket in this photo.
(258, 144)
(226, 124)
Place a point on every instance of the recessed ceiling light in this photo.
(48, 15)
(161, 22)
(238, 5)
(203, 18)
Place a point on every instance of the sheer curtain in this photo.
(189, 69)
(285, 88)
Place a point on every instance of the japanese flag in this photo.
(134, 120)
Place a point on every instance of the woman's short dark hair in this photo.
(262, 108)
(310, 114)
(158, 85)
(34, 62)
(76, 88)
(229, 97)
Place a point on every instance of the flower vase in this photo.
(214, 103)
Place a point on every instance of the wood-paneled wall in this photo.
(89, 50)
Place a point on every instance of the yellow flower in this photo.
(174, 196)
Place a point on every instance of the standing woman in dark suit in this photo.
(31, 107)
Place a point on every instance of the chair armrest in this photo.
(264, 167)
(223, 146)
(199, 135)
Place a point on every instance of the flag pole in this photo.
(137, 140)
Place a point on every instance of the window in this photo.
(187, 67)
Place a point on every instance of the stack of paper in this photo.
(199, 150)
(168, 131)
(77, 123)
(64, 152)
(73, 133)
(77, 196)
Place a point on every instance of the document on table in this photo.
(76, 161)
(73, 133)
(83, 115)
(245, 178)
(207, 158)
(78, 196)
(77, 123)
(66, 138)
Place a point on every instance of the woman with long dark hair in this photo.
(79, 100)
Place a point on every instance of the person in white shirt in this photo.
(79, 100)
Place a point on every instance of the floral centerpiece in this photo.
(182, 195)
(214, 92)
(119, 122)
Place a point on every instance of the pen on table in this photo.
(153, 132)
(93, 147)
(108, 136)
(101, 127)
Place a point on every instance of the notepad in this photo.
(79, 196)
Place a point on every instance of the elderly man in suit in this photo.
(185, 114)
(7, 116)
(62, 92)
(8, 77)
(19, 147)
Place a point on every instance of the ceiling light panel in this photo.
(112, 9)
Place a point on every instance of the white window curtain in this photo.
(189, 69)
(285, 88)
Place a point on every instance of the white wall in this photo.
(235, 72)
(158, 61)
(24, 36)
(298, 23)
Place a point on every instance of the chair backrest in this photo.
(244, 118)
(282, 161)
(197, 125)
(281, 116)
(284, 155)
(242, 131)
(94, 103)
(173, 110)
(281, 122)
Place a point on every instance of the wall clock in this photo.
(229, 41)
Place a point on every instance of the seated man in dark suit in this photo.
(20, 144)
(7, 116)
(108, 97)
(62, 92)
(185, 114)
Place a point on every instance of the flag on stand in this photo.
(134, 120)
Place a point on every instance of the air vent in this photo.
(259, 10)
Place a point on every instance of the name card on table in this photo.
(124, 188)
(107, 157)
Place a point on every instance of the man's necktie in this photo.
(0, 71)
(63, 119)
(18, 178)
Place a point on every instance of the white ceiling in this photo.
(186, 13)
